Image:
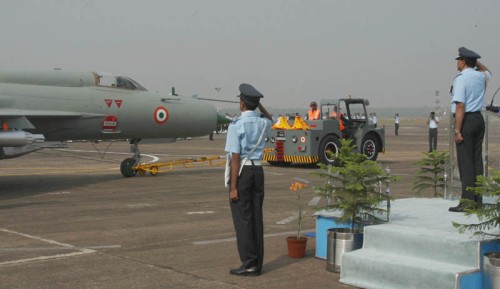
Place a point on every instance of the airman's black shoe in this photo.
(457, 209)
(242, 271)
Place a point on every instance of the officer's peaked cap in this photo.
(467, 53)
(249, 94)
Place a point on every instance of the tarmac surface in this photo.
(69, 219)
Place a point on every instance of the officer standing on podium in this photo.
(467, 101)
(245, 143)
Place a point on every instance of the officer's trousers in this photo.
(470, 153)
(248, 217)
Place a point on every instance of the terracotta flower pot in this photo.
(296, 247)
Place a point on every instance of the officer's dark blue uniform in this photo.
(247, 188)
(468, 98)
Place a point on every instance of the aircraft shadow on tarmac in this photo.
(24, 205)
(13, 187)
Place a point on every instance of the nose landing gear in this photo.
(128, 165)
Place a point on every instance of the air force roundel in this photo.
(161, 115)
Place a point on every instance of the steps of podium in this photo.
(424, 243)
(369, 268)
(418, 248)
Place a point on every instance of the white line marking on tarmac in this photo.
(214, 241)
(60, 193)
(200, 213)
(59, 248)
(155, 158)
(37, 238)
(234, 239)
(314, 201)
(302, 180)
(288, 220)
(271, 173)
(42, 258)
(139, 206)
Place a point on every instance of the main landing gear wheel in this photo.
(370, 147)
(127, 167)
(330, 144)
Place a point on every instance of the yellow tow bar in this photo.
(155, 168)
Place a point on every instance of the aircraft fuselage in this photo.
(102, 112)
(80, 106)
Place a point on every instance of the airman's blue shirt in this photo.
(469, 88)
(244, 132)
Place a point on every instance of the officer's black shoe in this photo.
(457, 209)
(242, 271)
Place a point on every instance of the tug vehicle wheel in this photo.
(329, 144)
(370, 147)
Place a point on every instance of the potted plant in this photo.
(353, 188)
(297, 244)
(489, 218)
(430, 175)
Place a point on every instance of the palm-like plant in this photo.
(430, 175)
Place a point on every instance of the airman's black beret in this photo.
(467, 53)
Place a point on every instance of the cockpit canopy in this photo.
(69, 79)
(118, 81)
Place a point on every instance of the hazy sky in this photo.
(395, 53)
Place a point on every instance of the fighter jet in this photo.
(46, 109)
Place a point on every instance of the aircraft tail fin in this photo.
(173, 91)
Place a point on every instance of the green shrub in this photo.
(353, 187)
(430, 175)
(487, 214)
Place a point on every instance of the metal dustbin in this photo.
(491, 274)
(340, 240)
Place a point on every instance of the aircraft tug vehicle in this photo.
(309, 141)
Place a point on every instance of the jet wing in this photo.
(12, 113)
(19, 118)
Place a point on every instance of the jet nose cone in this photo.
(221, 119)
